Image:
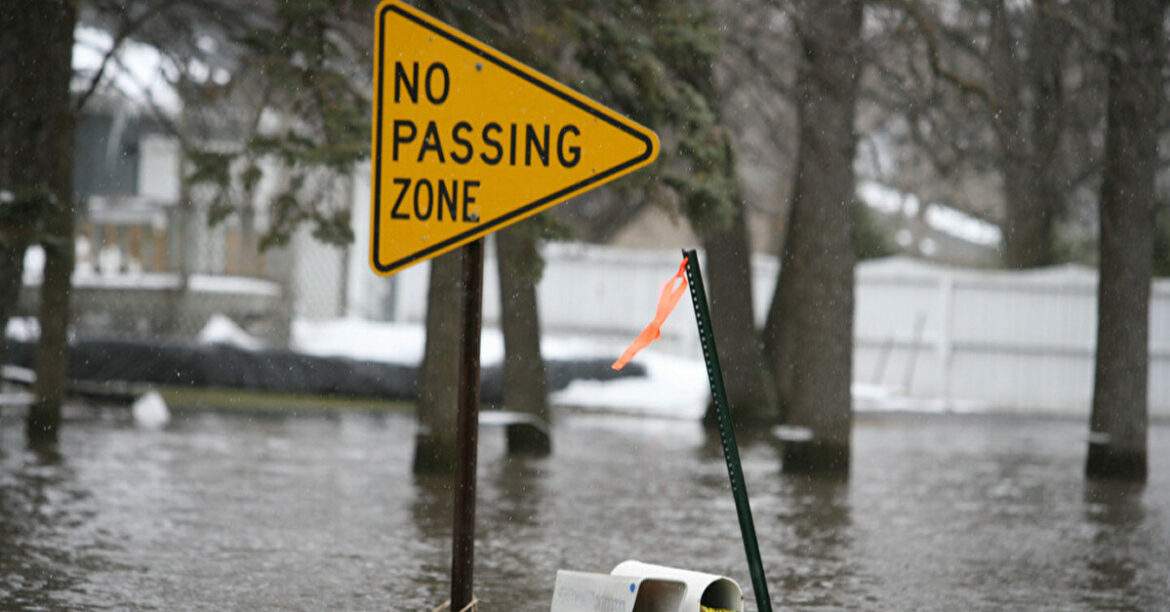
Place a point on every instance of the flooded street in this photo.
(321, 512)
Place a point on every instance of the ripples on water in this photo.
(224, 511)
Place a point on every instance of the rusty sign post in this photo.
(467, 141)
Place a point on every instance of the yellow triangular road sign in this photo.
(467, 140)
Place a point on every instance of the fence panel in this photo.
(962, 339)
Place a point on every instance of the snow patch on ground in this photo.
(358, 339)
(220, 329)
(402, 343)
(674, 387)
(23, 329)
(150, 411)
(938, 216)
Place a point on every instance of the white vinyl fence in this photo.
(960, 339)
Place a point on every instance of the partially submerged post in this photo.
(743, 508)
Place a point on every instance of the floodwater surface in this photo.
(228, 511)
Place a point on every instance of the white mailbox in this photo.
(634, 586)
(706, 590)
(585, 592)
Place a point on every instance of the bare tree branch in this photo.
(930, 29)
(128, 28)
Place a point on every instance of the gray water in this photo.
(321, 512)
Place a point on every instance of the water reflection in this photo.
(230, 512)
(517, 493)
(815, 522)
(513, 542)
(803, 521)
(432, 504)
(1117, 511)
(431, 510)
(515, 507)
(38, 500)
(1117, 504)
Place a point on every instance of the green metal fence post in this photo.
(726, 434)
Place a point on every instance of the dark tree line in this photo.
(1055, 105)
(1049, 82)
(653, 61)
(1010, 95)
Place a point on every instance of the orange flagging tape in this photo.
(666, 303)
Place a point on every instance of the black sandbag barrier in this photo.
(278, 371)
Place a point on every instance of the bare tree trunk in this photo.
(11, 272)
(22, 137)
(1046, 67)
(1028, 231)
(750, 389)
(773, 332)
(438, 379)
(1028, 159)
(37, 138)
(814, 317)
(1119, 421)
(18, 138)
(53, 348)
(525, 384)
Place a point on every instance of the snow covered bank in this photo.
(673, 387)
(378, 359)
